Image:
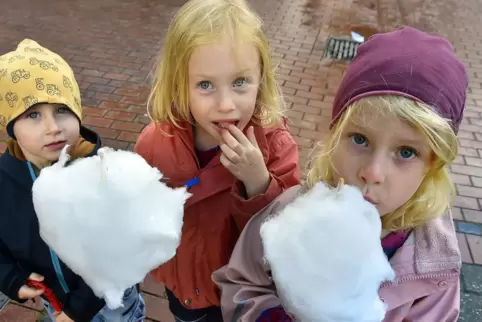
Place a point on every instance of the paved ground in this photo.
(111, 45)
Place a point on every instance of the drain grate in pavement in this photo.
(3, 301)
(341, 49)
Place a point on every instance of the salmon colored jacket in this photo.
(216, 213)
(427, 270)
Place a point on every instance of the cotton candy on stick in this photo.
(109, 218)
(326, 257)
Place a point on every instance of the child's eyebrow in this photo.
(412, 139)
(420, 146)
(237, 73)
(411, 142)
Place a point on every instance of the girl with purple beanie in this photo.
(393, 135)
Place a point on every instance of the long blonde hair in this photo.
(436, 192)
(201, 22)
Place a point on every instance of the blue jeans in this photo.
(133, 302)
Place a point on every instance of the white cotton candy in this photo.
(109, 219)
(326, 257)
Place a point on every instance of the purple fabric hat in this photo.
(410, 63)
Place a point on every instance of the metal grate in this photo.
(340, 49)
(3, 301)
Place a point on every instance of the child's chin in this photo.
(52, 156)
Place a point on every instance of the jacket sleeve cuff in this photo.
(13, 285)
(244, 208)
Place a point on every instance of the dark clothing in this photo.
(181, 313)
(22, 250)
(393, 241)
(205, 157)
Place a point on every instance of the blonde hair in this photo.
(201, 22)
(436, 192)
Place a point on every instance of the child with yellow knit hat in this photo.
(40, 109)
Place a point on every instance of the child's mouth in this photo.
(56, 145)
(370, 200)
(225, 124)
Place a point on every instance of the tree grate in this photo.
(341, 49)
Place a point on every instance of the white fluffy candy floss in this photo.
(326, 258)
(109, 218)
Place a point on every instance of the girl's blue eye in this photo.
(239, 82)
(33, 115)
(407, 153)
(62, 110)
(204, 85)
(359, 139)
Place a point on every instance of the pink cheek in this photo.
(358, 149)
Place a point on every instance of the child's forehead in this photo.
(45, 106)
(384, 124)
(224, 55)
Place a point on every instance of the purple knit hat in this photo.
(410, 63)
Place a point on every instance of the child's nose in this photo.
(373, 172)
(51, 126)
(226, 104)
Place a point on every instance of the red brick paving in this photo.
(111, 45)
(14, 313)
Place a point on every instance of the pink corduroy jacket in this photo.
(427, 267)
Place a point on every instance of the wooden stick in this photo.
(341, 182)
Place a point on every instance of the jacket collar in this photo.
(431, 248)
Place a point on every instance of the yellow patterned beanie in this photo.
(33, 74)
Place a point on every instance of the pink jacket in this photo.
(427, 267)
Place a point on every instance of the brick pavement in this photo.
(111, 45)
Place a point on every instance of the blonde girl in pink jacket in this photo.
(393, 135)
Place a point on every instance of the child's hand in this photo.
(243, 158)
(62, 317)
(26, 292)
